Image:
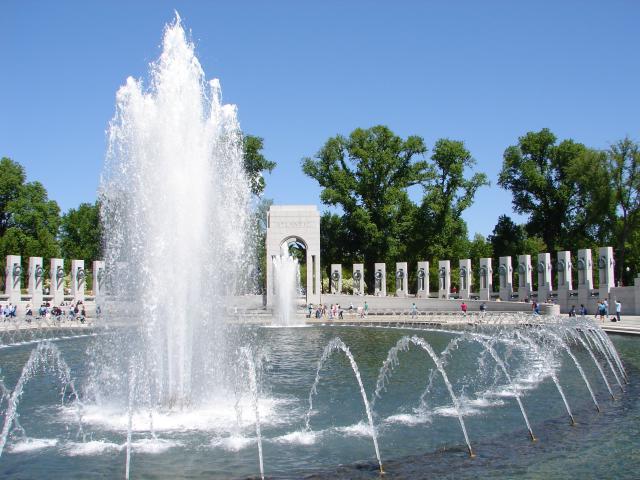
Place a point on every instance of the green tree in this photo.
(367, 176)
(624, 166)
(29, 221)
(81, 233)
(12, 178)
(537, 172)
(593, 216)
(255, 163)
(507, 237)
(440, 231)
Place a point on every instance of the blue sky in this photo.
(300, 72)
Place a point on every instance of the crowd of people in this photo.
(66, 310)
(335, 311)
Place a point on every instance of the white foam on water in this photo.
(506, 392)
(360, 429)
(221, 417)
(233, 443)
(417, 418)
(92, 448)
(301, 437)
(33, 444)
(154, 445)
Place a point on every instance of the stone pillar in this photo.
(486, 279)
(36, 281)
(358, 279)
(57, 281)
(98, 278)
(380, 280)
(585, 276)
(605, 272)
(444, 278)
(506, 278)
(524, 277)
(423, 280)
(565, 280)
(12, 277)
(78, 277)
(465, 278)
(545, 282)
(336, 279)
(402, 279)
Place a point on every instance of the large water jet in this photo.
(175, 208)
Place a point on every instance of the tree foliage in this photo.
(367, 175)
(255, 163)
(81, 233)
(29, 221)
(537, 172)
(624, 167)
(440, 229)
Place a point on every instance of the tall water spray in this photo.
(286, 272)
(175, 203)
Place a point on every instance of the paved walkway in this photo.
(630, 324)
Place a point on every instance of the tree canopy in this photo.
(29, 221)
(367, 177)
(81, 233)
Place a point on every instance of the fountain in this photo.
(164, 384)
(286, 272)
(175, 212)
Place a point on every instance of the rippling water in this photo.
(417, 440)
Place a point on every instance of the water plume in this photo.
(175, 209)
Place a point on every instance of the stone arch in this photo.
(300, 222)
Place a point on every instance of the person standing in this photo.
(602, 311)
(618, 309)
(414, 310)
(463, 307)
(366, 309)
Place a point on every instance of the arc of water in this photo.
(502, 366)
(403, 344)
(426, 346)
(253, 386)
(596, 362)
(440, 367)
(566, 348)
(614, 353)
(607, 347)
(44, 355)
(554, 378)
(338, 344)
(387, 366)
